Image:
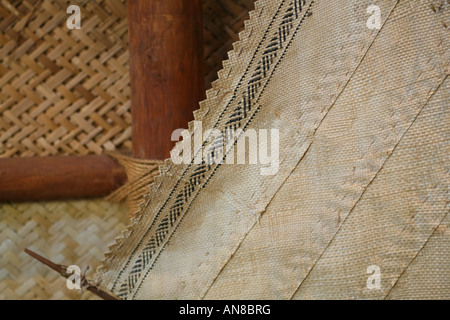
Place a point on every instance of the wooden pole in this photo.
(166, 71)
(53, 178)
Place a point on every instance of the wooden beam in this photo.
(166, 71)
(53, 178)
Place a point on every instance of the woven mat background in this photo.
(72, 232)
(362, 177)
(68, 93)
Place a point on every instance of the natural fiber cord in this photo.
(68, 91)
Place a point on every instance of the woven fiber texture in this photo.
(363, 176)
(71, 232)
(68, 92)
(222, 21)
(63, 92)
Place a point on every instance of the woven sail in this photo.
(362, 181)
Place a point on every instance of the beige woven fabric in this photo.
(351, 148)
(63, 91)
(363, 176)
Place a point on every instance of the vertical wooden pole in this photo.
(166, 71)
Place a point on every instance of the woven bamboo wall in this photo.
(67, 92)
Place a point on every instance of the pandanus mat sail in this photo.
(362, 178)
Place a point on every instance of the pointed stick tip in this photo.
(58, 268)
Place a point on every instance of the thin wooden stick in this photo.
(62, 270)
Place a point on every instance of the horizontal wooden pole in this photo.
(54, 178)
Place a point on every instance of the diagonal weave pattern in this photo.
(67, 91)
(222, 21)
(72, 232)
(63, 91)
